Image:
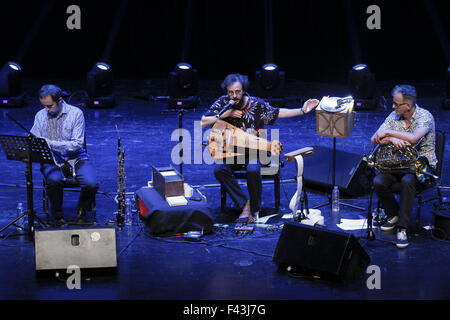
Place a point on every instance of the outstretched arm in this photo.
(307, 107)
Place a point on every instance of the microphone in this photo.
(225, 108)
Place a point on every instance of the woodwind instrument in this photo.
(120, 182)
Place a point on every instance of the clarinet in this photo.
(120, 182)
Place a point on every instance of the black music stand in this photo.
(327, 125)
(27, 149)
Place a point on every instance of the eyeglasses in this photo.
(237, 92)
(48, 106)
(398, 104)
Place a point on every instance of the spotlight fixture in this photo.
(99, 83)
(362, 87)
(183, 87)
(269, 84)
(11, 85)
(446, 101)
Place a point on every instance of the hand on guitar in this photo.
(309, 105)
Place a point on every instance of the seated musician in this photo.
(62, 125)
(412, 125)
(249, 114)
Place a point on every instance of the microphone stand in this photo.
(370, 234)
(180, 128)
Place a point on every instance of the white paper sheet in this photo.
(352, 224)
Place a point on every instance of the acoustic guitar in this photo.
(225, 138)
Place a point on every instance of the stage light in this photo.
(102, 66)
(14, 66)
(99, 83)
(11, 85)
(184, 66)
(183, 87)
(446, 101)
(360, 67)
(362, 87)
(269, 84)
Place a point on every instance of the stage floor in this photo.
(224, 265)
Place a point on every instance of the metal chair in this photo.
(440, 151)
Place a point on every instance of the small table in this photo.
(165, 220)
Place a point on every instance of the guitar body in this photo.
(225, 138)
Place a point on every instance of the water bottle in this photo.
(128, 216)
(335, 199)
(19, 213)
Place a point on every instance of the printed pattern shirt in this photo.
(421, 118)
(256, 114)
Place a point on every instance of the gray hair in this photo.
(408, 92)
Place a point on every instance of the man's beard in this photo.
(53, 114)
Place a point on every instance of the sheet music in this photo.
(335, 104)
(168, 173)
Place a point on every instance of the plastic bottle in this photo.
(19, 213)
(335, 199)
(128, 216)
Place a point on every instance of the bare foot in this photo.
(246, 215)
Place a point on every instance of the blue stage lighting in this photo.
(99, 83)
(362, 87)
(269, 84)
(11, 85)
(183, 87)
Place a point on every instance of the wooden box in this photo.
(335, 122)
(168, 182)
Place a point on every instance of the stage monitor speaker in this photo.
(91, 249)
(353, 176)
(331, 255)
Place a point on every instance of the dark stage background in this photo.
(310, 40)
(314, 42)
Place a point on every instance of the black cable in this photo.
(209, 243)
(132, 240)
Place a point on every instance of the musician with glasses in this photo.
(250, 114)
(63, 127)
(410, 125)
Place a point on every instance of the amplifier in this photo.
(87, 248)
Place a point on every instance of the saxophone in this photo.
(120, 182)
(390, 159)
